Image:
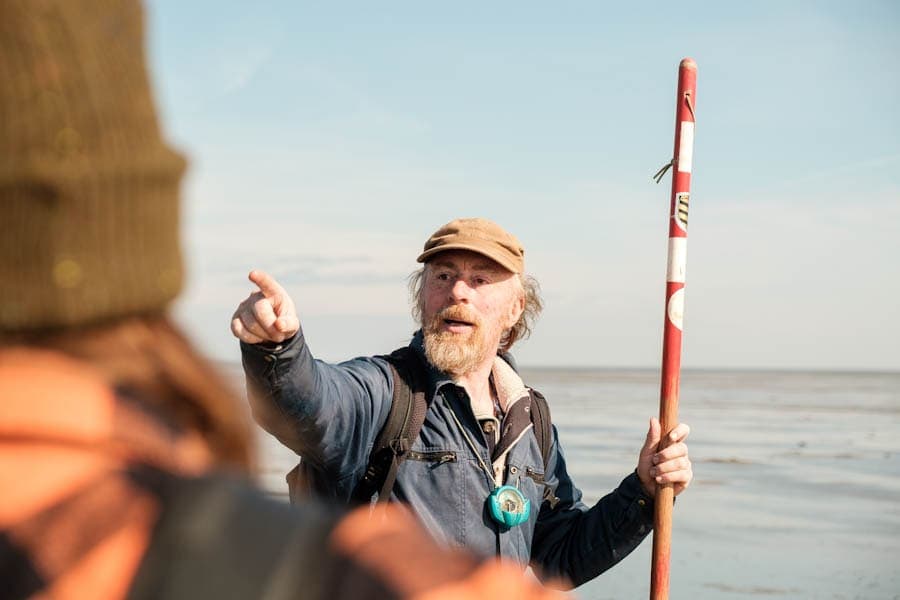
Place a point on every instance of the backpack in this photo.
(405, 420)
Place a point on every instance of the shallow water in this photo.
(796, 490)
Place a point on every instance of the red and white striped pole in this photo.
(671, 358)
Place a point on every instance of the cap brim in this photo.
(490, 253)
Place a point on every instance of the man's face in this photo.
(468, 302)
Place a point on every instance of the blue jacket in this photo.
(330, 414)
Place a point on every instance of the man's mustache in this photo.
(457, 313)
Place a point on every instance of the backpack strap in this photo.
(540, 417)
(404, 422)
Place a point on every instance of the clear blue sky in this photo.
(328, 141)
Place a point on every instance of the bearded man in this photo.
(476, 476)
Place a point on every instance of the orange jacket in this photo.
(76, 522)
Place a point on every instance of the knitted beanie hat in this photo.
(88, 189)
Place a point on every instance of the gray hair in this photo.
(534, 304)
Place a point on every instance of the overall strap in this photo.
(404, 422)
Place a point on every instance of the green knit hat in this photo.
(89, 227)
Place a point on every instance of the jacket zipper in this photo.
(439, 457)
(538, 477)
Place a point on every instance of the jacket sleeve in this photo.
(327, 413)
(575, 543)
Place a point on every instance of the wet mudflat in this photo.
(797, 478)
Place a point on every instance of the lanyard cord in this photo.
(489, 472)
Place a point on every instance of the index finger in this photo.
(266, 283)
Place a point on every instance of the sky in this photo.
(327, 141)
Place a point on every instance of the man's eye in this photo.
(443, 276)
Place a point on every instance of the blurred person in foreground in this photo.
(124, 458)
(482, 469)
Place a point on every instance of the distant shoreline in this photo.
(236, 365)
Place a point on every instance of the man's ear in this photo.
(516, 308)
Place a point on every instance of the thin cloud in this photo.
(239, 72)
(851, 168)
(318, 270)
(300, 269)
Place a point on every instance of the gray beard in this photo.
(452, 355)
(455, 354)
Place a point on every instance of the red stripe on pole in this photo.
(671, 358)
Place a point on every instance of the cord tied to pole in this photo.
(662, 171)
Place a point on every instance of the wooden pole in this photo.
(671, 358)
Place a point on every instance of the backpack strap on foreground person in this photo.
(219, 538)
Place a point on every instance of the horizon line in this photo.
(694, 369)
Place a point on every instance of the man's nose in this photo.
(460, 291)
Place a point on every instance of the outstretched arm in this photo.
(329, 414)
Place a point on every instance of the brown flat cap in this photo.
(477, 235)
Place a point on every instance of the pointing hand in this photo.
(267, 315)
